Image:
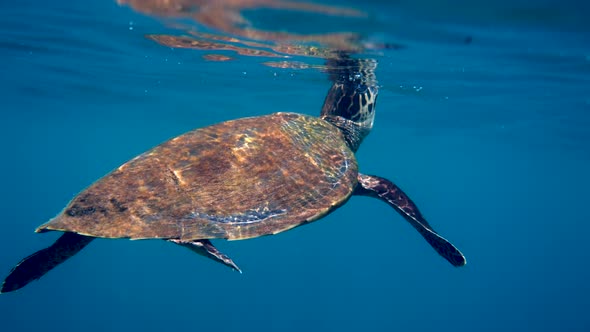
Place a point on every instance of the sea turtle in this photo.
(236, 180)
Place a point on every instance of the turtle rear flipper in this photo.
(41, 262)
(207, 249)
(374, 186)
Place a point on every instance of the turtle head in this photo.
(350, 103)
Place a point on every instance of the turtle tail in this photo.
(41, 262)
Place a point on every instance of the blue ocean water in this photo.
(483, 118)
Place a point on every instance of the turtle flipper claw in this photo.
(207, 249)
(374, 186)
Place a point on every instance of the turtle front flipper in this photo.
(43, 261)
(207, 249)
(387, 191)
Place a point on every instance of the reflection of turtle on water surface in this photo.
(236, 180)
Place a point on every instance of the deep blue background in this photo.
(491, 139)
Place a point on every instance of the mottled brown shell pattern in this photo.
(235, 180)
